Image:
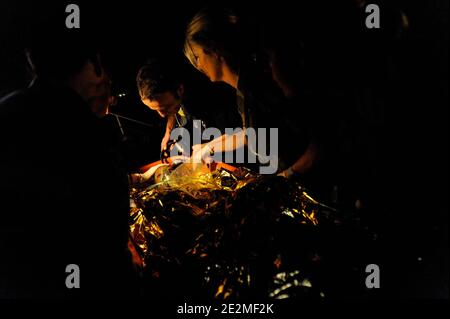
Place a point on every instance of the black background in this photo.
(402, 83)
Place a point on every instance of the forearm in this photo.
(306, 162)
(170, 123)
(228, 142)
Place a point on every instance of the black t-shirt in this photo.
(261, 104)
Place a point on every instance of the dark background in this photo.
(393, 86)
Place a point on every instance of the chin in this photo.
(211, 78)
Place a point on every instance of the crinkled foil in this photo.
(228, 235)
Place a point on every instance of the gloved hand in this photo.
(164, 141)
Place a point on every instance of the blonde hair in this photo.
(218, 31)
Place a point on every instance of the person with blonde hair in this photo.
(218, 44)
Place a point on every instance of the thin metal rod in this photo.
(120, 125)
(130, 119)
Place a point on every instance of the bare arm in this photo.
(305, 162)
(169, 126)
(223, 143)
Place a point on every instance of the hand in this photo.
(202, 153)
(282, 174)
(288, 173)
(136, 179)
(164, 141)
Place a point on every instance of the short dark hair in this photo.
(155, 77)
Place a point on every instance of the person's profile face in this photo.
(164, 104)
(208, 63)
(95, 90)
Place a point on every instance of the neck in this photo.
(230, 77)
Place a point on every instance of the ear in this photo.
(213, 53)
(218, 57)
